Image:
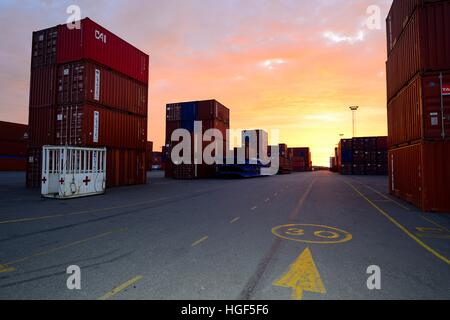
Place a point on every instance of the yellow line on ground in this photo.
(294, 214)
(435, 223)
(120, 288)
(69, 245)
(235, 220)
(400, 226)
(386, 197)
(5, 268)
(196, 243)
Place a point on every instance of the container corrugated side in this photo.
(415, 113)
(424, 46)
(41, 126)
(96, 43)
(96, 126)
(85, 82)
(400, 13)
(420, 173)
(43, 87)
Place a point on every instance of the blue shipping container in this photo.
(189, 111)
(347, 156)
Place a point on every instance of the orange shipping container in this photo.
(420, 174)
(424, 46)
(415, 113)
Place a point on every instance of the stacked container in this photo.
(418, 81)
(301, 159)
(362, 156)
(212, 115)
(285, 159)
(89, 88)
(13, 146)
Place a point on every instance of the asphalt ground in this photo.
(300, 236)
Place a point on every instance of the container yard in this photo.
(288, 170)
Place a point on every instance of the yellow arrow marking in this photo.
(302, 276)
(6, 268)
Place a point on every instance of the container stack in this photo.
(418, 81)
(89, 88)
(301, 159)
(285, 158)
(362, 156)
(212, 115)
(13, 146)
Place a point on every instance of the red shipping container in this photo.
(13, 163)
(415, 113)
(43, 87)
(41, 126)
(34, 168)
(149, 156)
(93, 42)
(423, 47)
(85, 82)
(398, 18)
(13, 132)
(125, 167)
(95, 126)
(44, 46)
(420, 174)
(212, 109)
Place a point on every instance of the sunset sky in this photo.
(292, 65)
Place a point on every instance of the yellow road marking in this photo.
(196, 243)
(294, 214)
(5, 268)
(120, 288)
(435, 223)
(46, 252)
(302, 276)
(235, 220)
(386, 197)
(400, 226)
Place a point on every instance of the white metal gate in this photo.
(69, 172)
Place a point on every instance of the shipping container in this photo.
(416, 113)
(362, 156)
(44, 47)
(301, 159)
(41, 126)
(34, 167)
(85, 82)
(13, 163)
(90, 125)
(420, 174)
(43, 87)
(93, 42)
(212, 115)
(423, 47)
(149, 156)
(399, 15)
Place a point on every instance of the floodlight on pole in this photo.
(354, 109)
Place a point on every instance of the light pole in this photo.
(354, 109)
